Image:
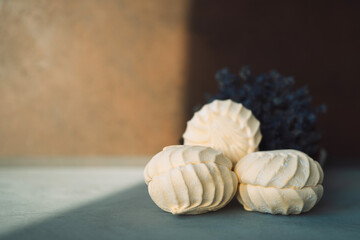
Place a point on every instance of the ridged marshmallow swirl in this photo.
(224, 125)
(279, 182)
(190, 179)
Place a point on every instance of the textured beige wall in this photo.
(91, 77)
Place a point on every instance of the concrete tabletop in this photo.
(113, 203)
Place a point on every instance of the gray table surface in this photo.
(130, 214)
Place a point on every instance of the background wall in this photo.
(121, 77)
(91, 77)
(317, 42)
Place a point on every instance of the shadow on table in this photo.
(131, 214)
(341, 193)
